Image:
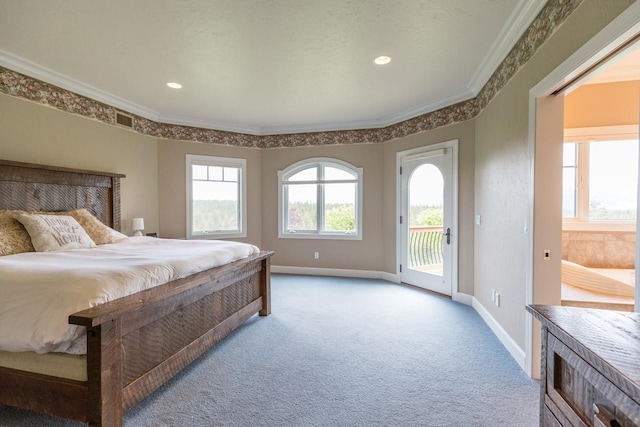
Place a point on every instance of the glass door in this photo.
(427, 223)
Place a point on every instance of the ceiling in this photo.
(265, 66)
(623, 67)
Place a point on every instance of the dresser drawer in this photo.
(580, 395)
(548, 419)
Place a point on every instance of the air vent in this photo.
(124, 120)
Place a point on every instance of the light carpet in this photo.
(343, 352)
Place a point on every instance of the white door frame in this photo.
(621, 29)
(400, 155)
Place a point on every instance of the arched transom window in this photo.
(320, 198)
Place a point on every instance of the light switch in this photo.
(478, 219)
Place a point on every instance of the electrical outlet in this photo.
(316, 255)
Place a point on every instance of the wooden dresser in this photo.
(590, 367)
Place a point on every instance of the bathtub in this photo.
(613, 281)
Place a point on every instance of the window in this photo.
(215, 197)
(600, 181)
(320, 199)
(569, 180)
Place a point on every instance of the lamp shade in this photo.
(137, 224)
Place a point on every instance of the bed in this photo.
(135, 343)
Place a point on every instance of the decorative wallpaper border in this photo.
(543, 26)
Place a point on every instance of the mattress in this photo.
(61, 365)
(39, 290)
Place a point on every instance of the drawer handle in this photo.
(603, 418)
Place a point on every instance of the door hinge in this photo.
(400, 219)
(400, 268)
(400, 170)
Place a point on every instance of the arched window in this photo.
(320, 198)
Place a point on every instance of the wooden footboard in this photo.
(136, 343)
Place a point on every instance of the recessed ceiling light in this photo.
(381, 60)
(174, 85)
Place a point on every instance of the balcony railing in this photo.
(425, 246)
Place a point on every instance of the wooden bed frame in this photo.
(136, 343)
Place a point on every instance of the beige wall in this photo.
(502, 170)
(465, 134)
(37, 134)
(606, 104)
(365, 254)
(172, 185)
(376, 252)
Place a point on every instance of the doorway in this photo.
(428, 218)
(543, 276)
(600, 177)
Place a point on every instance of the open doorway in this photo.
(600, 186)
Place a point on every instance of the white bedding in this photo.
(39, 290)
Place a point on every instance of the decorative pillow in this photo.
(14, 239)
(55, 232)
(97, 231)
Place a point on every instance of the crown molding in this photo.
(272, 130)
(322, 127)
(47, 75)
(520, 19)
(210, 124)
(463, 95)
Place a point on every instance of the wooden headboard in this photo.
(32, 187)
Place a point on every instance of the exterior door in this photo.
(427, 220)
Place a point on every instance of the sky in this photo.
(613, 174)
(426, 186)
(616, 169)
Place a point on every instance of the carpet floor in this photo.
(343, 352)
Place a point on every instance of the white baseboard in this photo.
(516, 352)
(465, 299)
(390, 277)
(337, 272)
(363, 274)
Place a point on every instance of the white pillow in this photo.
(55, 232)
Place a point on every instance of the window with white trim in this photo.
(216, 197)
(320, 198)
(600, 175)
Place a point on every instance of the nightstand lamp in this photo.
(137, 225)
